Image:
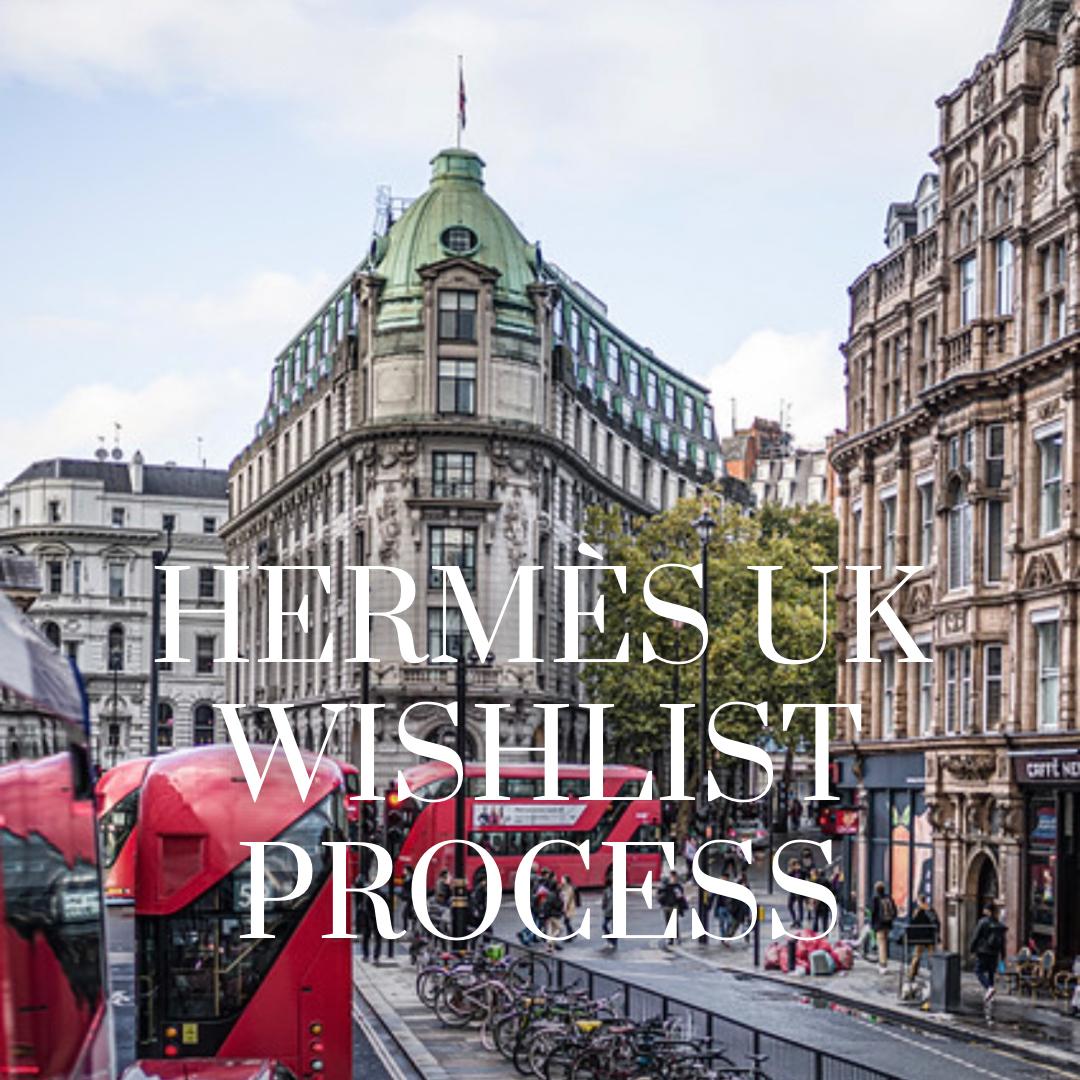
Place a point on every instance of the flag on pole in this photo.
(461, 99)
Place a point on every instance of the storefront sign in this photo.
(1055, 768)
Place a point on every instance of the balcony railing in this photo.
(452, 490)
(891, 275)
(925, 257)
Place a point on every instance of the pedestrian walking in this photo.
(366, 927)
(795, 903)
(882, 916)
(672, 899)
(988, 948)
(569, 895)
(608, 906)
(923, 916)
(689, 851)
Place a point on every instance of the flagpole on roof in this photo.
(461, 99)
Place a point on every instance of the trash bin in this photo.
(945, 981)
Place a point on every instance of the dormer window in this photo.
(613, 362)
(458, 240)
(594, 346)
(457, 315)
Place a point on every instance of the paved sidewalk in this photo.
(437, 1052)
(1036, 1030)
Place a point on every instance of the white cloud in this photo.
(163, 417)
(804, 370)
(214, 352)
(677, 84)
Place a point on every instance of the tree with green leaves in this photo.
(795, 539)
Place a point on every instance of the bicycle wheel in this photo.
(454, 1006)
(588, 1065)
(428, 982)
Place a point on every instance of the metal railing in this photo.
(743, 1042)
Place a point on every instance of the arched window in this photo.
(165, 726)
(962, 228)
(1010, 201)
(999, 207)
(116, 647)
(204, 725)
(52, 633)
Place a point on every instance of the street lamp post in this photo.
(704, 526)
(156, 560)
(459, 902)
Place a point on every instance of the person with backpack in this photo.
(988, 948)
(672, 899)
(924, 916)
(553, 911)
(882, 917)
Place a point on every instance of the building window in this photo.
(995, 539)
(1049, 649)
(992, 681)
(358, 482)
(613, 367)
(118, 517)
(1003, 259)
(688, 412)
(453, 474)
(959, 538)
(115, 659)
(457, 315)
(455, 632)
(633, 381)
(116, 581)
(450, 545)
(161, 664)
(707, 422)
(1050, 483)
(54, 511)
(957, 689)
(926, 692)
(204, 654)
(457, 387)
(969, 296)
(593, 349)
(888, 535)
(888, 694)
(165, 726)
(995, 455)
(669, 401)
(55, 576)
(76, 577)
(651, 389)
(926, 523)
(575, 331)
(206, 583)
(557, 320)
(209, 525)
(203, 726)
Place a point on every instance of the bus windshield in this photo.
(116, 826)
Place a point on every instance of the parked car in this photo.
(752, 829)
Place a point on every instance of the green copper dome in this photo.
(454, 217)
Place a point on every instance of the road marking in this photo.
(381, 1052)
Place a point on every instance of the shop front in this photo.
(894, 844)
(1049, 781)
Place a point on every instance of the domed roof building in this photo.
(457, 400)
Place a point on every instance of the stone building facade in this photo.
(798, 477)
(458, 400)
(91, 527)
(963, 458)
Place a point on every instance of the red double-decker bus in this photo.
(509, 829)
(203, 989)
(53, 1019)
(118, 810)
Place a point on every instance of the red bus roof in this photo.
(119, 781)
(418, 775)
(197, 802)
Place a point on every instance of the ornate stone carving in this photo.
(389, 521)
(983, 97)
(515, 528)
(1049, 409)
(1042, 569)
(921, 598)
(970, 767)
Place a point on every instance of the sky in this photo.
(182, 182)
